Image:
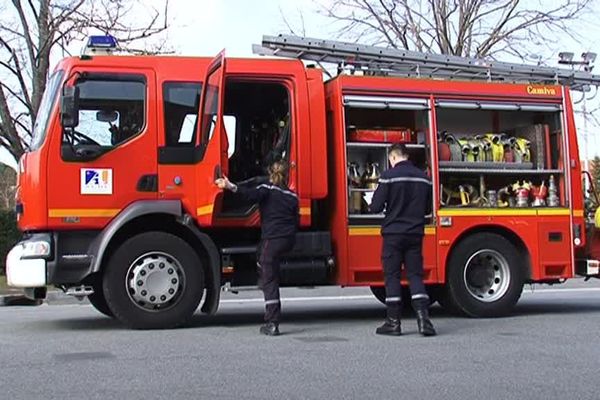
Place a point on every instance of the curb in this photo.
(52, 297)
(17, 300)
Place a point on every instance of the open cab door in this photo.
(212, 139)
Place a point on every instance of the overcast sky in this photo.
(205, 27)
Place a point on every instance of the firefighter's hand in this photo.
(223, 183)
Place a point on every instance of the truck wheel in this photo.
(435, 293)
(154, 281)
(485, 277)
(379, 293)
(97, 300)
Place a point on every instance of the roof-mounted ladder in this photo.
(373, 60)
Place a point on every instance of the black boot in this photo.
(391, 327)
(270, 329)
(424, 323)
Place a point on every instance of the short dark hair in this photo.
(400, 149)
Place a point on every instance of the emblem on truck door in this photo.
(96, 181)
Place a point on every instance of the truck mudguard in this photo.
(170, 207)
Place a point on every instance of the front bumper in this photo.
(65, 262)
(24, 272)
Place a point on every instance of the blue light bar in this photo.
(104, 42)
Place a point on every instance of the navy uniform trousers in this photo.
(398, 250)
(269, 258)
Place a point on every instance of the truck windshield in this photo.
(48, 100)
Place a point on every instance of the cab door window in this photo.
(111, 111)
(181, 102)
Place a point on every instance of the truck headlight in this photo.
(36, 249)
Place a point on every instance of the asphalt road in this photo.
(549, 349)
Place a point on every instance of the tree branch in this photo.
(26, 30)
(8, 126)
(460, 27)
(17, 71)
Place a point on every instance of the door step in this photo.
(79, 291)
(236, 289)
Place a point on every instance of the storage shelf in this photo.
(508, 209)
(383, 145)
(485, 165)
(501, 171)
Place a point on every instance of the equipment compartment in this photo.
(507, 155)
(372, 127)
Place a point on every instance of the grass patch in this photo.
(5, 289)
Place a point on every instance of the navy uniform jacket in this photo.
(279, 216)
(405, 193)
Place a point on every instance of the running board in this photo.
(79, 291)
(236, 289)
(238, 250)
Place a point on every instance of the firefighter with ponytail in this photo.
(279, 216)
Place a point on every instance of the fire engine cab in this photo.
(117, 202)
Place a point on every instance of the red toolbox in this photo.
(388, 135)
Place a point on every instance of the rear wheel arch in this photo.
(485, 272)
(508, 234)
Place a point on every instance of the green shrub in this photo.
(9, 234)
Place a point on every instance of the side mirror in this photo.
(107, 116)
(69, 107)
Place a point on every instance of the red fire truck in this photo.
(117, 202)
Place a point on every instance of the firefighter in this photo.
(404, 192)
(279, 215)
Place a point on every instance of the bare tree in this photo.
(473, 28)
(8, 180)
(33, 31)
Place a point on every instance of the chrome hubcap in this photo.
(155, 281)
(487, 275)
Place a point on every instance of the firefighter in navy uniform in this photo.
(279, 223)
(405, 193)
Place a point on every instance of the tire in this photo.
(485, 276)
(154, 281)
(435, 293)
(379, 293)
(97, 300)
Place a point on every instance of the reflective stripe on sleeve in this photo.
(405, 179)
(273, 187)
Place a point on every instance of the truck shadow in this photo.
(557, 307)
(243, 316)
(236, 318)
(375, 313)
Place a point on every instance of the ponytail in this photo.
(278, 173)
